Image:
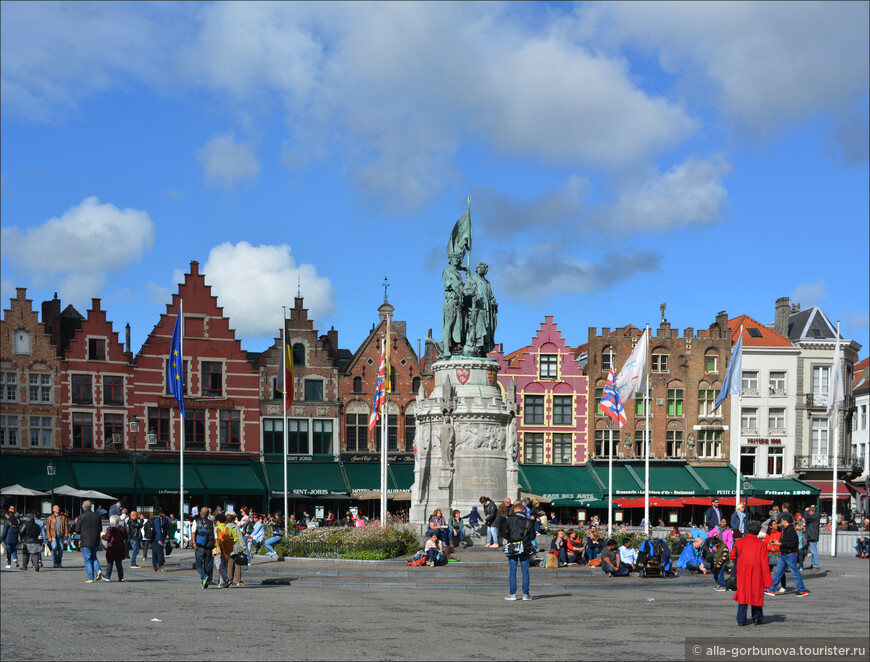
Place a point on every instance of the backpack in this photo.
(204, 533)
(224, 542)
(148, 530)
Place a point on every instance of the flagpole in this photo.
(384, 416)
(610, 482)
(181, 409)
(284, 402)
(647, 443)
(833, 396)
(739, 427)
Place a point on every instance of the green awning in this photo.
(571, 483)
(624, 483)
(673, 480)
(570, 503)
(109, 475)
(163, 478)
(402, 476)
(29, 471)
(720, 481)
(768, 487)
(230, 478)
(308, 479)
(364, 476)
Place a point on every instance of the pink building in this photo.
(551, 390)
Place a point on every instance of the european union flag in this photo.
(175, 373)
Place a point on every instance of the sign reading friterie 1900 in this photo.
(763, 440)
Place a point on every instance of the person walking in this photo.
(738, 519)
(490, 513)
(811, 524)
(788, 548)
(31, 547)
(753, 574)
(519, 531)
(116, 547)
(134, 537)
(11, 527)
(154, 531)
(203, 537)
(89, 526)
(224, 541)
(57, 530)
(234, 568)
(713, 515)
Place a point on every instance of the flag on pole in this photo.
(286, 376)
(632, 379)
(380, 392)
(610, 402)
(460, 236)
(835, 390)
(175, 374)
(734, 374)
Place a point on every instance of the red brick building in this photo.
(30, 380)
(97, 386)
(221, 385)
(551, 392)
(685, 377)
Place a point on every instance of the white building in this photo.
(764, 418)
(860, 425)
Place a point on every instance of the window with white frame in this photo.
(675, 443)
(777, 382)
(747, 460)
(607, 356)
(549, 366)
(533, 448)
(819, 442)
(8, 387)
(776, 421)
(775, 461)
(9, 431)
(863, 416)
(749, 420)
(711, 363)
(640, 443)
(602, 443)
(39, 387)
(40, 431)
(821, 374)
(659, 362)
(710, 443)
(562, 448)
(750, 382)
(706, 403)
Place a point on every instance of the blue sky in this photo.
(711, 156)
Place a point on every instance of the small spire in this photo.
(386, 286)
(298, 286)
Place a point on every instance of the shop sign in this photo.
(763, 440)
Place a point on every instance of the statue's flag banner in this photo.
(460, 237)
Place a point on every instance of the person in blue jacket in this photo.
(692, 558)
(257, 534)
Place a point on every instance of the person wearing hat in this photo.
(812, 519)
(788, 546)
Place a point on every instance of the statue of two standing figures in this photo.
(470, 309)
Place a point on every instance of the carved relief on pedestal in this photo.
(476, 436)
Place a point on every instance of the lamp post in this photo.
(51, 470)
(134, 455)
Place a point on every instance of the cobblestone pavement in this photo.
(287, 612)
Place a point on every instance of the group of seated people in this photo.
(572, 551)
(448, 531)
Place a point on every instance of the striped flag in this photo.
(380, 391)
(610, 403)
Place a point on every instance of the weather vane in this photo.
(386, 286)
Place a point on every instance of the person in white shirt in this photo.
(628, 556)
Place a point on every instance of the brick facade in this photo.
(686, 372)
(357, 387)
(222, 386)
(31, 380)
(551, 392)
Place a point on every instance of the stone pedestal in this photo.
(466, 440)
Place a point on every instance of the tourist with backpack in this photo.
(10, 536)
(238, 557)
(203, 546)
(223, 547)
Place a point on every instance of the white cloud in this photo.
(85, 242)
(690, 193)
(763, 61)
(81, 287)
(224, 161)
(253, 282)
(157, 294)
(810, 294)
(7, 291)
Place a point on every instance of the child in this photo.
(720, 561)
(434, 552)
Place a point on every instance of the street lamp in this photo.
(51, 470)
(134, 455)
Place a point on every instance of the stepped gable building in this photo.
(685, 377)
(815, 336)
(313, 418)
(221, 386)
(97, 386)
(551, 393)
(763, 429)
(357, 387)
(30, 380)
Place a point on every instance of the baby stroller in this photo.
(535, 561)
(654, 556)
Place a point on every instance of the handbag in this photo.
(552, 561)
(46, 550)
(594, 563)
(513, 548)
(167, 549)
(2, 548)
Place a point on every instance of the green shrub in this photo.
(368, 542)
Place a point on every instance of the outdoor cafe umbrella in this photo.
(402, 495)
(656, 502)
(19, 490)
(66, 490)
(367, 495)
(749, 501)
(532, 497)
(93, 494)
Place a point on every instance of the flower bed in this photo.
(339, 542)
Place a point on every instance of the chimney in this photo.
(722, 323)
(780, 320)
(127, 338)
(51, 320)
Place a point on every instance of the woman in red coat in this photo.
(753, 574)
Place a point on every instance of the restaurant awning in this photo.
(827, 489)
(667, 481)
(654, 502)
(624, 483)
(782, 487)
(403, 475)
(307, 479)
(156, 477)
(715, 481)
(571, 484)
(231, 478)
(364, 477)
(111, 475)
(29, 471)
